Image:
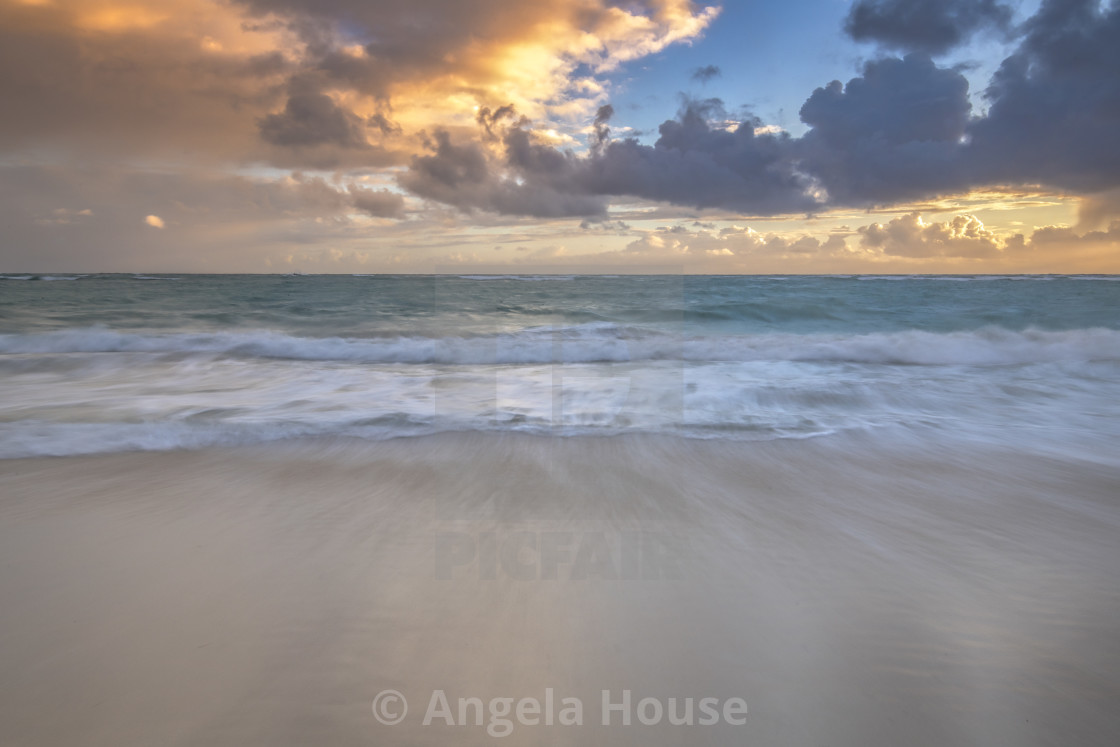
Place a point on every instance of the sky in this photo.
(504, 136)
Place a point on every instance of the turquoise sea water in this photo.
(98, 363)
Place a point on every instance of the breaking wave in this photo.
(600, 343)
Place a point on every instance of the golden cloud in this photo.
(164, 75)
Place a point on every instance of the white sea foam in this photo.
(602, 342)
(93, 402)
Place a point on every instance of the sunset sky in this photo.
(366, 136)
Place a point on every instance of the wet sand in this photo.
(851, 591)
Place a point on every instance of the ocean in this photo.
(862, 511)
(107, 363)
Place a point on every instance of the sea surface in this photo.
(106, 363)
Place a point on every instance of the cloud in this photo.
(219, 220)
(1054, 113)
(471, 110)
(73, 80)
(600, 129)
(468, 177)
(1065, 235)
(743, 243)
(706, 73)
(1063, 249)
(693, 163)
(380, 203)
(903, 130)
(303, 83)
(929, 26)
(63, 216)
(906, 243)
(891, 134)
(964, 238)
(311, 117)
(239, 223)
(446, 56)
(911, 236)
(604, 225)
(1099, 209)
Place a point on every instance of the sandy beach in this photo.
(849, 591)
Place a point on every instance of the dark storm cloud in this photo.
(903, 129)
(444, 173)
(706, 73)
(1054, 114)
(463, 175)
(383, 124)
(377, 203)
(693, 163)
(310, 118)
(895, 101)
(601, 132)
(893, 133)
(490, 120)
(930, 26)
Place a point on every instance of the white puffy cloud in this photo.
(912, 236)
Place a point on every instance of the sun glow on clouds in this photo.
(537, 70)
(121, 18)
(362, 126)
